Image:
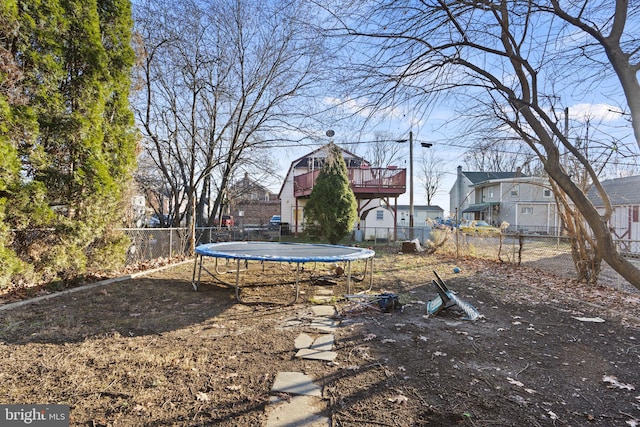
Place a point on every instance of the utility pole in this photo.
(410, 185)
(425, 145)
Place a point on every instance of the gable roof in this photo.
(345, 154)
(321, 152)
(477, 177)
(247, 185)
(621, 191)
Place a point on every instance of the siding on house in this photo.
(464, 192)
(378, 224)
(420, 214)
(525, 203)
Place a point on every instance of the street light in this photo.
(425, 145)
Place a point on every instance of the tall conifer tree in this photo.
(68, 122)
(332, 208)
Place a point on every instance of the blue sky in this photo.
(591, 93)
(435, 129)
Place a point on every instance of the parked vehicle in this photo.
(479, 228)
(225, 221)
(156, 220)
(275, 220)
(446, 223)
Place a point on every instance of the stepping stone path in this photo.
(296, 400)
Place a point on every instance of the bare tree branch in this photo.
(509, 56)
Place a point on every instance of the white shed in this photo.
(625, 221)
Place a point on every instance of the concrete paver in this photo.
(323, 343)
(324, 324)
(308, 353)
(323, 298)
(303, 341)
(324, 310)
(296, 383)
(299, 411)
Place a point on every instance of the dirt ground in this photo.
(152, 352)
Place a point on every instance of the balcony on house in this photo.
(366, 182)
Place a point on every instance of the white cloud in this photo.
(354, 106)
(595, 112)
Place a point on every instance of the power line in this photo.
(435, 145)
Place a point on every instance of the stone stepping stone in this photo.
(309, 353)
(296, 383)
(303, 341)
(323, 298)
(324, 310)
(324, 324)
(318, 349)
(299, 411)
(291, 323)
(323, 343)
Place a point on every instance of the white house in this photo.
(378, 224)
(421, 214)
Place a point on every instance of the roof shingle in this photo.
(621, 191)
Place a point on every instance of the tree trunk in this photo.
(604, 247)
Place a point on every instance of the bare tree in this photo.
(384, 150)
(432, 175)
(219, 81)
(498, 155)
(508, 57)
(611, 28)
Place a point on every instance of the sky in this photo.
(446, 145)
(594, 109)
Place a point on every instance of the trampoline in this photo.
(298, 253)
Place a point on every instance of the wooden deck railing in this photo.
(382, 181)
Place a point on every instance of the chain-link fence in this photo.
(547, 253)
(550, 254)
(544, 252)
(152, 243)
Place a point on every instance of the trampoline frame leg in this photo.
(198, 266)
(368, 264)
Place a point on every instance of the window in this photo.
(526, 210)
(515, 190)
(379, 215)
(546, 192)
